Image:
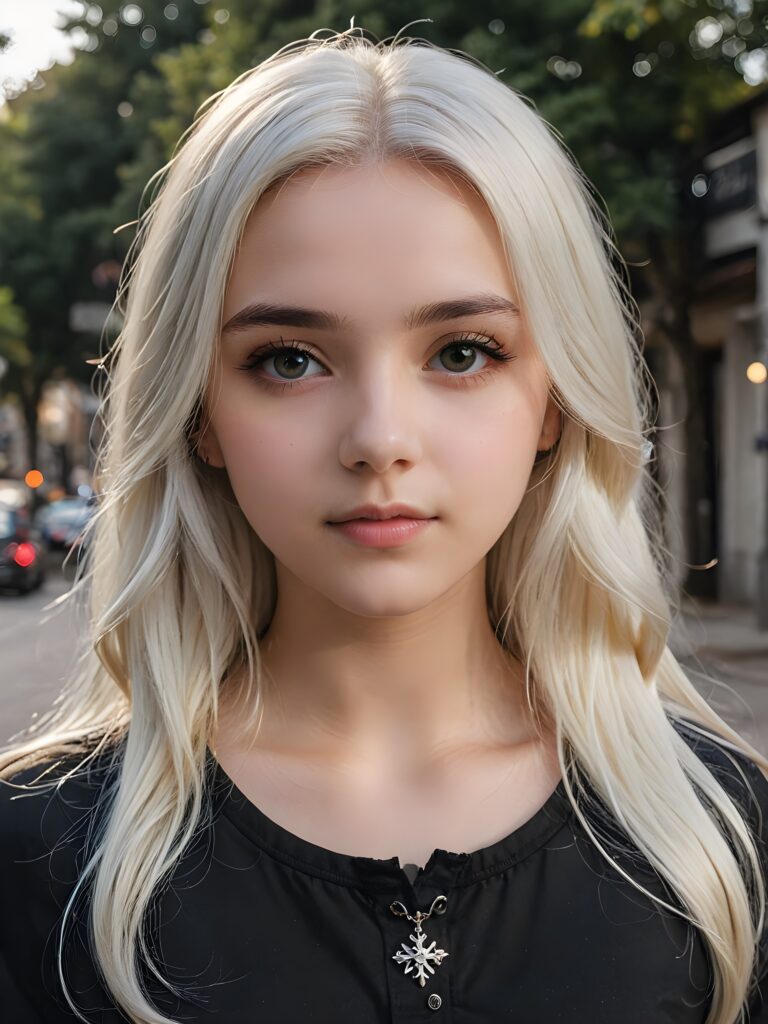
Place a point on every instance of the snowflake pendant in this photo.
(419, 957)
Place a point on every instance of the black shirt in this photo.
(260, 925)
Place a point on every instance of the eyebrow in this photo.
(264, 314)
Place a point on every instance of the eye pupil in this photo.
(466, 350)
(291, 356)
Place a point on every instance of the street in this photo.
(39, 648)
(724, 641)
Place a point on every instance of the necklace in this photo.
(419, 958)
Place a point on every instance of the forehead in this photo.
(398, 222)
(406, 184)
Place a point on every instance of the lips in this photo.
(383, 533)
(377, 512)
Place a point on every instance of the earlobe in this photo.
(552, 427)
(209, 459)
(208, 450)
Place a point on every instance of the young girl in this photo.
(378, 721)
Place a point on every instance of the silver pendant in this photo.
(420, 957)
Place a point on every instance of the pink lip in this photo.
(370, 511)
(382, 533)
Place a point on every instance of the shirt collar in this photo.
(444, 869)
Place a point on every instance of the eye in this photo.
(288, 357)
(290, 360)
(461, 353)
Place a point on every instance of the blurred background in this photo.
(664, 103)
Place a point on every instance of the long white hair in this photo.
(180, 589)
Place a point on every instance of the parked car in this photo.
(22, 549)
(62, 522)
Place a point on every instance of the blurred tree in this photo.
(671, 68)
(17, 359)
(61, 145)
(13, 330)
(18, 212)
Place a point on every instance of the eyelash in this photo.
(490, 346)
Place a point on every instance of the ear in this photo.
(209, 450)
(551, 426)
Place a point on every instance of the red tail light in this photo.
(22, 554)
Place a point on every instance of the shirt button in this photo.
(434, 1002)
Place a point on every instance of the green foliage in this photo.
(13, 330)
(65, 151)
(627, 114)
(625, 84)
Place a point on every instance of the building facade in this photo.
(728, 201)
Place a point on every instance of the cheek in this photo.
(488, 454)
(269, 463)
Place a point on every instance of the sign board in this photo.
(89, 317)
(733, 186)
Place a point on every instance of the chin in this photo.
(382, 601)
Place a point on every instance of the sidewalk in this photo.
(728, 629)
(723, 641)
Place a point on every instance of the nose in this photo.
(380, 425)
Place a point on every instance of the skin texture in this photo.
(395, 721)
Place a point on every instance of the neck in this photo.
(410, 689)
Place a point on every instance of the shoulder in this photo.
(48, 813)
(47, 810)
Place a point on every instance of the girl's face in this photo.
(384, 393)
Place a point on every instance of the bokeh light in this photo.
(131, 14)
(757, 372)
